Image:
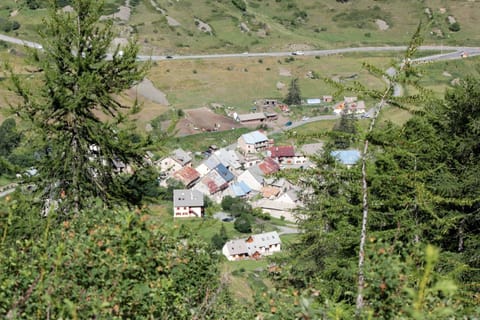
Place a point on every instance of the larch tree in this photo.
(75, 115)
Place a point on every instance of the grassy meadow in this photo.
(297, 25)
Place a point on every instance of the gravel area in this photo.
(147, 90)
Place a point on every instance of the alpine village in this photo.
(240, 159)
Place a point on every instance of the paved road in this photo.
(453, 52)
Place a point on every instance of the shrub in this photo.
(240, 4)
(242, 224)
(454, 27)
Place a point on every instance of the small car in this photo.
(289, 123)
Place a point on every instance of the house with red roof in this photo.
(282, 154)
(269, 166)
(187, 175)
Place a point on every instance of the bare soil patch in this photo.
(147, 90)
(172, 22)
(284, 72)
(382, 25)
(204, 119)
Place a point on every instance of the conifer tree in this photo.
(294, 96)
(75, 116)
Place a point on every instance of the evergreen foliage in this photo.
(418, 185)
(9, 137)
(75, 115)
(344, 132)
(294, 96)
(243, 224)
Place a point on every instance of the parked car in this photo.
(289, 123)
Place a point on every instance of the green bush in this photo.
(454, 27)
(243, 224)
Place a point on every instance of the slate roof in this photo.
(346, 157)
(282, 151)
(228, 157)
(187, 198)
(254, 137)
(181, 157)
(211, 162)
(257, 241)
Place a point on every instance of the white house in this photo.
(253, 247)
(187, 203)
(252, 177)
(175, 161)
(207, 165)
(253, 142)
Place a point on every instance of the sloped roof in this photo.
(251, 116)
(214, 182)
(269, 191)
(241, 246)
(228, 157)
(254, 137)
(238, 246)
(187, 175)
(282, 151)
(240, 189)
(224, 173)
(256, 173)
(187, 198)
(211, 162)
(346, 157)
(314, 101)
(268, 166)
(266, 239)
(181, 156)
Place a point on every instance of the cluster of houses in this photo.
(263, 113)
(350, 105)
(244, 169)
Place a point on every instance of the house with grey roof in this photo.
(208, 164)
(253, 142)
(252, 177)
(175, 161)
(229, 158)
(187, 203)
(253, 247)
